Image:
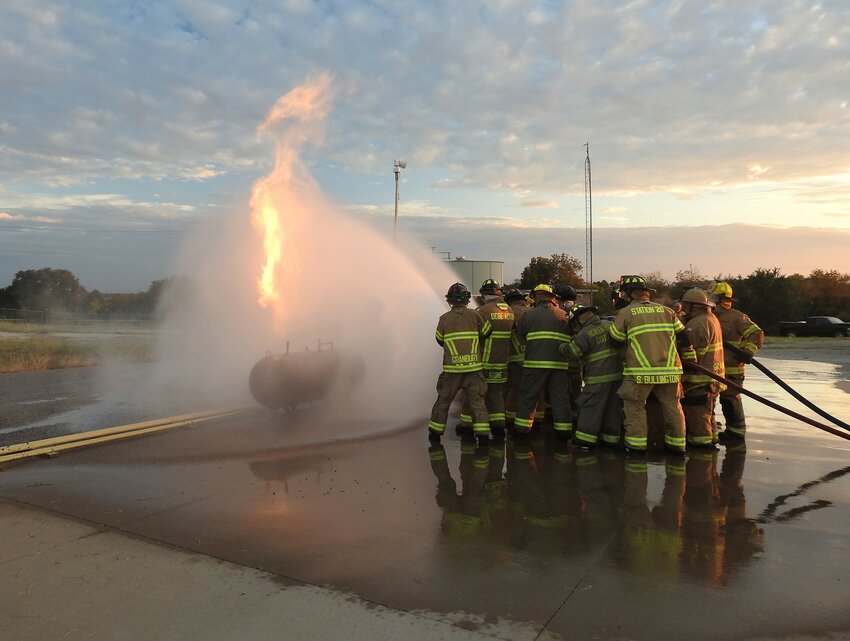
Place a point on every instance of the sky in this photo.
(717, 131)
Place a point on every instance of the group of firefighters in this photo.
(600, 376)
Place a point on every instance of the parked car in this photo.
(815, 326)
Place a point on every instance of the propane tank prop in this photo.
(284, 381)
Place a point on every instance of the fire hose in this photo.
(741, 353)
(738, 388)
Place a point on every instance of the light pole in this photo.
(398, 165)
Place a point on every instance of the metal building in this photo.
(474, 272)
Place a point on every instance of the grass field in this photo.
(21, 352)
(810, 342)
(31, 346)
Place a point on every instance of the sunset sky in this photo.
(718, 131)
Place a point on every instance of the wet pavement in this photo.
(516, 540)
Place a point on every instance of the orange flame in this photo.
(279, 198)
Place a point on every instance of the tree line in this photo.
(767, 295)
(59, 290)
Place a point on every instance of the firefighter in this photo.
(652, 365)
(619, 298)
(567, 297)
(519, 305)
(459, 333)
(677, 308)
(700, 390)
(599, 407)
(497, 350)
(744, 334)
(544, 328)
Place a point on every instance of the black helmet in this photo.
(566, 292)
(578, 310)
(491, 287)
(633, 283)
(514, 294)
(458, 293)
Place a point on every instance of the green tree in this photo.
(688, 278)
(94, 302)
(559, 269)
(603, 298)
(654, 280)
(828, 293)
(768, 297)
(47, 289)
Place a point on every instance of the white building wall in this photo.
(474, 272)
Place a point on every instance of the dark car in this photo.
(815, 326)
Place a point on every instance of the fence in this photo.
(48, 317)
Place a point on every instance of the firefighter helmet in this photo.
(722, 289)
(513, 295)
(634, 283)
(543, 288)
(458, 293)
(578, 310)
(491, 287)
(566, 292)
(696, 296)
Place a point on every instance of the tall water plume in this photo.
(299, 269)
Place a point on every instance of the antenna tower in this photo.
(588, 224)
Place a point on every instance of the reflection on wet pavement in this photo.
(555, 499)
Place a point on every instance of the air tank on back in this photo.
(284, 381)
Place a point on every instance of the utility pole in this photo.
(588, 224)
(398, 165)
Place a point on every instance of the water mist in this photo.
(299, 270)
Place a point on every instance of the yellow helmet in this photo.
(543, 288)
(721, 288)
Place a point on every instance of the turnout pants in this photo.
(512, 390)
(599, 414)
(474, 387)
(556, 382)
(575, 388)
(698, 408)
(494, 400)
(634, 397)
(733, 408)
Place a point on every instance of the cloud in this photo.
(104, 104)
(671, 97)
(715, 249)
(828, 190)
(539, 204)
(66, 202)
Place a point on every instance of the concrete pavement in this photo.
(245, 528)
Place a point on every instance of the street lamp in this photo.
(398, 165)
